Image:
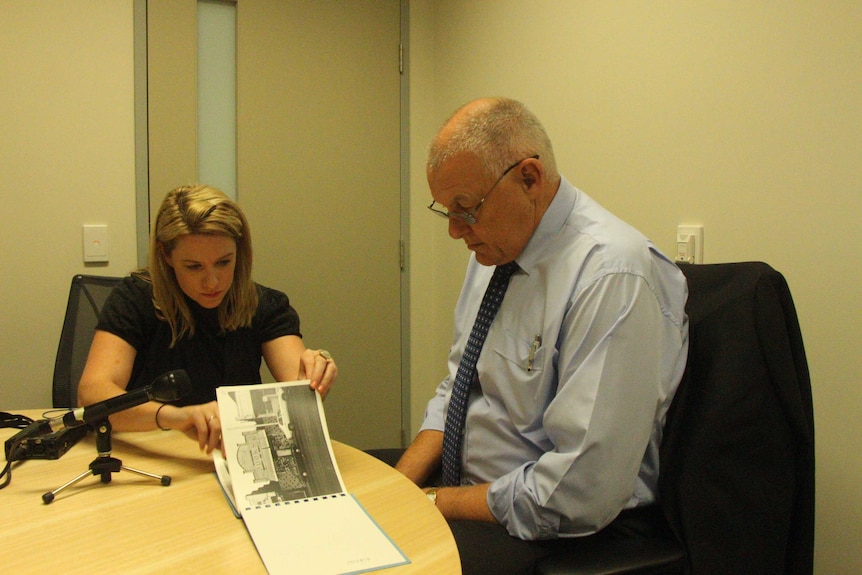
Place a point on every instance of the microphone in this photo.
(167, 387)
(50, 438)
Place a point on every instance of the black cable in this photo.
(14, 420)
(6, 474)
(20, 422)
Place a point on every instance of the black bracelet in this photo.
(159, 425)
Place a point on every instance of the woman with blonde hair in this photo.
(196, 308)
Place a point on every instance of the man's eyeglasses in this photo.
(469, 216)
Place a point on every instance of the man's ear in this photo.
(531, 172)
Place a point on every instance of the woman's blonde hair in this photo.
(200, 210)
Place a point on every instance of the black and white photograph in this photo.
(278, 446)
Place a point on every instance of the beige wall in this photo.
(741, 116)
(66, 159)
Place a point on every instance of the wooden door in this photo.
(318, 175)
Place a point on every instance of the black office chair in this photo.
(86, 297)
(737, 460)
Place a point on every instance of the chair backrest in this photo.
(737, 458)
(86, 297)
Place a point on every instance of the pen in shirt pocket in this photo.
(537, 343)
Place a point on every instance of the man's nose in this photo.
(457, 228)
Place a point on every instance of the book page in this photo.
(331, 536)
(277, 443)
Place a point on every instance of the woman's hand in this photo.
(289, 360)
(318, 366)
(199, 422)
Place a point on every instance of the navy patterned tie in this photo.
(456, 415)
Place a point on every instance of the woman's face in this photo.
(204, 267)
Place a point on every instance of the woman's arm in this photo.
(106, 375)
(289, 360)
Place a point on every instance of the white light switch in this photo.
(95, 243)
(689, 244)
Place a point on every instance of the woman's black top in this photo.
(211, 357)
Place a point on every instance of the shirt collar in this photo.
(553, 220)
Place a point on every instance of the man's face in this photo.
(504, 220)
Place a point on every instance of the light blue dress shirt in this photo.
(577, 373)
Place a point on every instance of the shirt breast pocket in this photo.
(519, 382)
(525, 353)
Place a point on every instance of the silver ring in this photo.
(210, 418)
(325, 354)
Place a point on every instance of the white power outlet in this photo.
(689, 244)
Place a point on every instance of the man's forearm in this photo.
(468, 502)
(423, 457)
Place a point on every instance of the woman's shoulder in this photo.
(134, 291)
(274, 313)
(129, 311)
(138, 284)
(269, 297)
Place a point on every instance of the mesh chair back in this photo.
(86, 297)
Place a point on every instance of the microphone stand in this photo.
(104, 465)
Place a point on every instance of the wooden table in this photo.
(135, 525)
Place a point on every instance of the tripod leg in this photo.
(49, 496)
(165, 479)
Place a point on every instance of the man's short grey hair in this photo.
(499, 134)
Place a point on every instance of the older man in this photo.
(549, 422)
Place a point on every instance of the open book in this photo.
(281, 477)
